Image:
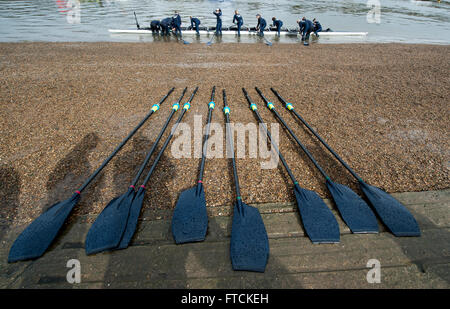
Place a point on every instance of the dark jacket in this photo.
(261, 23)
(195, 21)
(166, 22)
(317, 26)
(176, 20)
(155, 23)
(278, 23)
(218, 15)
(306, 26)
(238, 18)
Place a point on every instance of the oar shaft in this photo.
(306, 151)
(211, 106)
(154, 108)
(226, 110)
(317, 136)
(254, 109)
(185, 108)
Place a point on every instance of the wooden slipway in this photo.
(154, 261)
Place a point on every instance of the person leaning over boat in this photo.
(317, 27)
(155, 26)
(277, 23)
(176, 23)
(195, 22)
(238, 20)
(218, 14)
(261, 24)
(165, 25)
(306, 26)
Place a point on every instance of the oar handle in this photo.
(186, 107)
(211, 106)
(272, 108)
(155, 107)
(227, 111)
(291, 108)
(254, 108)
(135, 18)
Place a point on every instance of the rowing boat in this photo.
(243, 32)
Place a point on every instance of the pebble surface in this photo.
(65, 107)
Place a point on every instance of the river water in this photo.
(404, 21)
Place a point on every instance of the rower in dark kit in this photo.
(218, 14)
(166, 25)
(278, 24)
(155, 26)
(317, 27)
(306, 27)
(195, 22)
(176, 23)
(261, 25)
(238, 20)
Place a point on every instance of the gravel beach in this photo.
(65, 106)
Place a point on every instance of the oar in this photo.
(190, 220)
(267, 41)
(37, 237)
(107, 230)
(318, 220)
(210, 41)
(249, 245)
(135, 18)
(354, 210)
(393, 214)
(136, 206)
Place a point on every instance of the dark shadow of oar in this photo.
(37, 237)
(354, 211)
(190, 219)
(318, 220)
(136, 206)
(249, 245)
(107, 230)
(393, 214)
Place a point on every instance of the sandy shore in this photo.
(65, 106)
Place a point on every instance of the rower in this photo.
(176, 23)
(155, 26)
(195, 22)
(317, 27)
(261, 24)
(238, 20)
(218, 14)
(165, 25)
(277, 23)
(306, 26)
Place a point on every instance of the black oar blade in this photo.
(319, 222)
(354, 210)
(249, 247)
(190, 220)
(37, 237)
(107, 230)
(133, 218)
(393, 214)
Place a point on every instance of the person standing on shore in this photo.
(218, 14)
(317, 27)
(306, 26)
(195, 22)
(155, 26)
(261, 24)
(176, 23)
(238, 20)
(277, 23)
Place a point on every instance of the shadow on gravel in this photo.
(9, 196)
